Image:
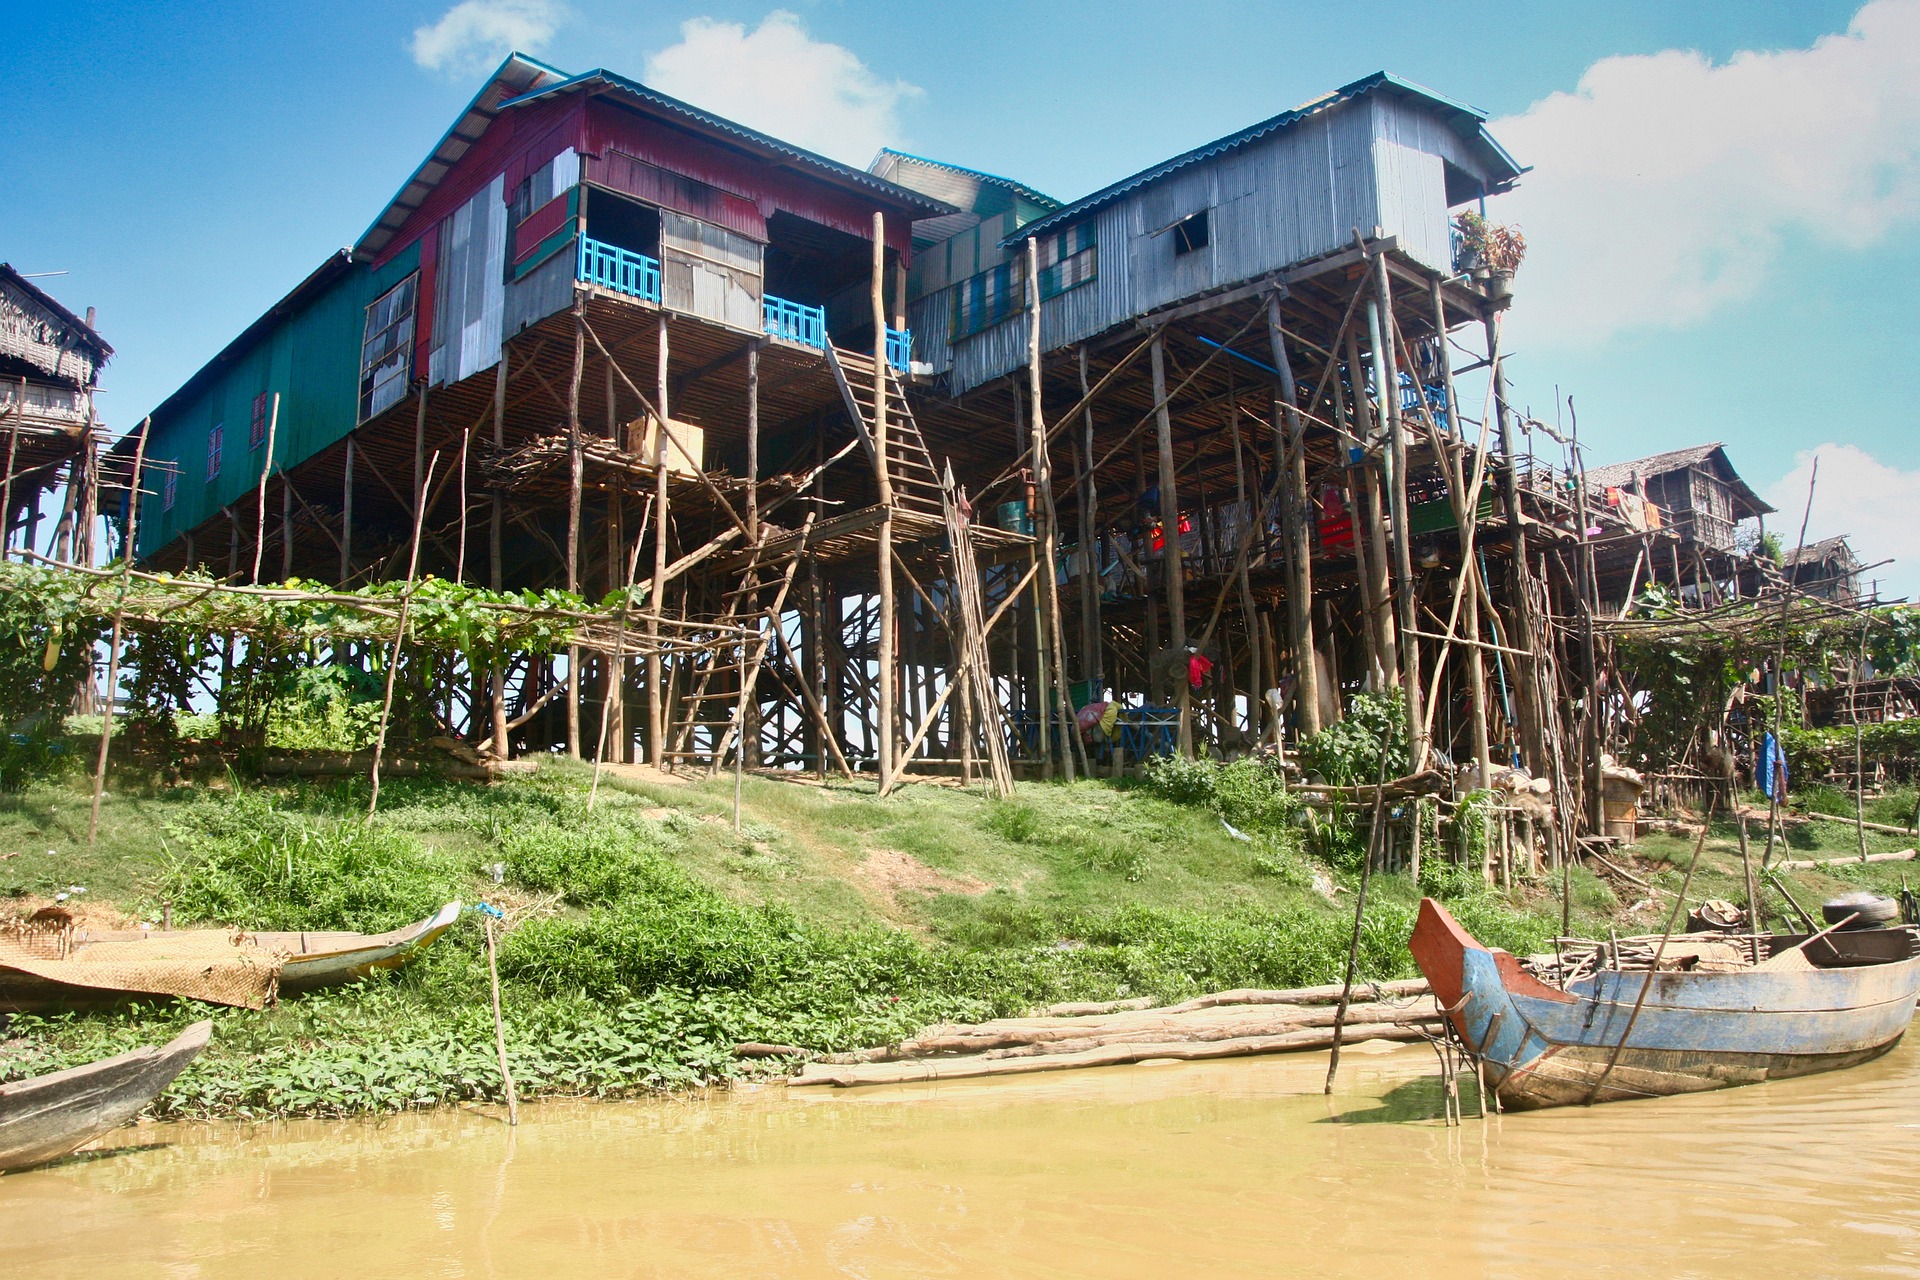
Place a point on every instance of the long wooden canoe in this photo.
(1544, 1047)
(46, 1117)
(97, 967)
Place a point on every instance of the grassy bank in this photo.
(648, 937)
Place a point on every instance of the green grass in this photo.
(650, 935)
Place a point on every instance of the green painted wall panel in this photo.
(312, 360)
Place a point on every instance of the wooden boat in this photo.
(46, 1117)
(93, 967)
(1542, 1046)
(317, 960)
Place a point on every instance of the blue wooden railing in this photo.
(795, 321)
(621, 270)
(900, 349)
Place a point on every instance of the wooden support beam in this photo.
(656, 603)
(1290, 467)
(887, 674)
(1172, 575)
(1387, 380)
(576, 465)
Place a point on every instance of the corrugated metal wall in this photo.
(312, 359)
(1376, 165)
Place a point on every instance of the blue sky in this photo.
(1722, 208)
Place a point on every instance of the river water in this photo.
(1216, 1169)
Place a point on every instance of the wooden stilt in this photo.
(1295, 510)
(886, 674)
(656, 601)
(266, 469)
(1175, 577)
(1380, 320)
(576, 465)
(496, 567)
(128, 554)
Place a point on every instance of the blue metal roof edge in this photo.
(1253, 132)
(1021, 188)
(721, 124)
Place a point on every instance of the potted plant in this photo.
(1491, 251)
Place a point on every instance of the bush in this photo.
(244, 862)
(587, 866)
(1348, 752)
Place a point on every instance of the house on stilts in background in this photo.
(952, 469)
(50, 362)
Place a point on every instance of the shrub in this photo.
(242, 861)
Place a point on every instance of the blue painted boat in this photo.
(1542, 1046)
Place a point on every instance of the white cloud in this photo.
(1666, 185)
(475, 34)
(778, 79)
(1858, 495)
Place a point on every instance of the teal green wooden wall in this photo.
(312, 360)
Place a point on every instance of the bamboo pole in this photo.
(1777, 791)
(346, 516)
(656, 668)
(127, 552)
(496, 562)
(266, 469)
(400, 636)
(499, 1022)
(885, 712)
(1290, 471)
(576, 465)
(1172, 573)
(1380, 320)
(1093, 660)
(1053, 646)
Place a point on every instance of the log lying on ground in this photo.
(1227, 1023)
(1085, 1008)
(1810, 864)
(848, 1075)
(1849, 822)
(1328, 994)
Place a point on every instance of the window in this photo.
(1068, 259)
(257, 432)
(1190, 233)
(215, 441)
(988, 298)
(169, 484)
(386, 350)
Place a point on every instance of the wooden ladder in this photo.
(910, 467)
(731, 653)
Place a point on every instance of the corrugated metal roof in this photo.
(510, 83)
(685, 113)
(1464, 119)
(1020, 189)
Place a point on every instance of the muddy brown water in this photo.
(1200, 1169)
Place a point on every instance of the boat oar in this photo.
(488, 914)
(1673, 918)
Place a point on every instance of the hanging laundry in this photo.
(1197, 667)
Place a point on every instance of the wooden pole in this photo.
(656, 604)
(1172, 572)
(884, 730)
(753, 440)
(1374, 831)
(1369, 523)
(400, 636)
(496, 565)
(1859, 756)
(286, 528)
(1291, 471)
(266, 469)
(576, 466)
(1095, 656)
(1778, 789)
(500, 1024)
(1053, 638)
(1380, 318)
(346, 516)
(1252, 523)
(127, 552)
(1467, 513)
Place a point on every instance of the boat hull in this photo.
(1543, 1047)
(46, 1117)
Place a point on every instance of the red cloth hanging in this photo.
(1197, 667)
